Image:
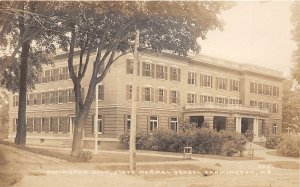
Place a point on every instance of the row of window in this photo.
(220, 100)
(272, 107)
(263, 89)
(54, 75)
(62, 124)
(161, 72)
(46, 125)
(150, 94)
(49, 97)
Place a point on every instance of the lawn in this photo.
(283, 164)
(8, 176)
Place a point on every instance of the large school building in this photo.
(171, 90)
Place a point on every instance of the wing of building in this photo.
(171, 89)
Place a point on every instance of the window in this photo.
(100, 92)
(153, 123)
(16, 100)
(37, 99)
(62, 96)
(275, 108)
(46, 77)
(221, 100)
(253, 87)
(30, 98)
(221, 83)
(275, 91)
(260, 88)
(274, 129)
(128, 122)
(253, 103)
(53, 97)
(45, 97)
(129, 67)
(174, 123)
(161, 95)
(45, 125)
(191, 98)
(260, 104)
(99, 125)
(56, 74)
(148, 94)
(52, 76)
(206, 99)
(148, 69)
(71, 95)
(64, 73)
(29, 125)
(54, 124)
(206, 81)
(192, 78)
(161, 72)
(234, 85)
(235, 101)
(175, 97)
(175, 74)
(63, 125)
(37, 125)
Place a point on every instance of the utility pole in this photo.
(96, 120)
(132, 143)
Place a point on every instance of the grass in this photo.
(7, 175)
(99, 158)
(283, 164)
(275, 153)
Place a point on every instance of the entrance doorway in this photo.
(198, 120)
(219, 123)
(247, 124)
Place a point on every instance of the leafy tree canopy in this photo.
(295, 8)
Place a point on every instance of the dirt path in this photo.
(43, 171)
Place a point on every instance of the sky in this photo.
(254, 33)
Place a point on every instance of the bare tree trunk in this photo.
(82, 112)
(21, 129)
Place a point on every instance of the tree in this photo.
(26, 27)
(109, 28)
(295, 9)
(290, 107)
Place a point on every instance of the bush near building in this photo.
(203, 140)
(273, 141)
(289, 145)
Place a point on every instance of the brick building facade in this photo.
(171, 89)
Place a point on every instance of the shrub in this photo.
(289, 145)
(273, 141)
(142, 139)
(207, 141)
(229, 148)
(233, 142)
(85, 156)
(203, 140)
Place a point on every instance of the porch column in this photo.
(238, 124)
(210, 121)
(255, 128)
